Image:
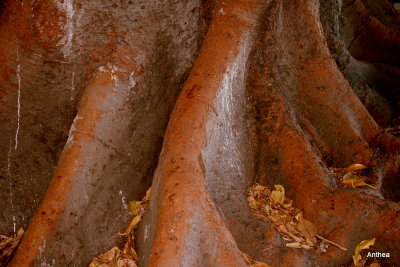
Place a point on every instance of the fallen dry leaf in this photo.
(349, 176)
(291, 229)
(133, 224)
(306, 247)
(108, 258)
(127, 257)
(112, 258)
(278, 195)
(356, 175)
(20, 232)
(293, 245)
(135, 207)
(356, 167)
(307, 229)
(356, 183)
(254, 263)
(365, 244)
(356, 170)
(8, 246)
(147, 196)
(267, 209)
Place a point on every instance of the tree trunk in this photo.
(272, 92)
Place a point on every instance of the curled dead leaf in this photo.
(133, 224)
(106, 259)
(20, 232)
(365, 244)
(306, 246)
(349, 176)
(254, 263)
(291, 228)
(282, 228)
(126, 263)
(267, 209)
(307, 229)
(278, 195)
(357, 167)
(8, 245)
(296, 238)
(272, 218)
(147, 196)
(258, 187)
(356, 183)
(135, 207)
(293, 245)
(288, 205)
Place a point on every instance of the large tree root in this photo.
(366, 37)
(311, 119)
(384, 12)
(118, 75)
(375, 84)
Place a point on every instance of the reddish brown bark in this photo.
(312, 119)
(384, 12)
(374, 83)
(367, 38)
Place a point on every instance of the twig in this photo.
(331, 242)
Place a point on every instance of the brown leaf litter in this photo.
(356, 175)
(8, 246)
(126, 257)
(297, 232)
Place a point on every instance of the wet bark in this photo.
(272, 92)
